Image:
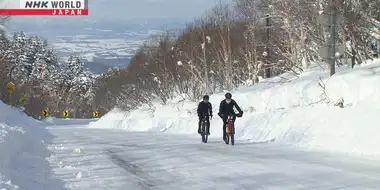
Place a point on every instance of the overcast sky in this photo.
(181, 9)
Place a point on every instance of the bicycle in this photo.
(230, 131)
(204, 129)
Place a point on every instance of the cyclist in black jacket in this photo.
(204, 109)
(227, 107)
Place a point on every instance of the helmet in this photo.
(206, 97)
(228, 95)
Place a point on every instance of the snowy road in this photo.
(110, 159)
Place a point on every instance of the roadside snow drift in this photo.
(53, 121)
(23, 152)
(298, 111)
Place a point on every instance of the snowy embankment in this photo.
(298, 111)
(68, 121)
(23, 152)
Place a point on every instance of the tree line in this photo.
(232, 45)
(238, 44)
(43, 81)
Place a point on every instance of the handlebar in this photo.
(205, 116)
(232, 115)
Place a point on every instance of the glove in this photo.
(240, 114)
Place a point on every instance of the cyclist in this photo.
(227, 107)
(204, 110)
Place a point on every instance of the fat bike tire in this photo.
(205, 133)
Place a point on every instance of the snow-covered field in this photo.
(104, 48)
(23, 151)
(291, 110)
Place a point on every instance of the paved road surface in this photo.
(87, 158)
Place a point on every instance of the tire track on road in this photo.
(142, 179)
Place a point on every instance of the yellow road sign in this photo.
(11, 87)
(45, 113)
(65, 114)
(95, 114)
(23, 100)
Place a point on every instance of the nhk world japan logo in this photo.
(45, 8)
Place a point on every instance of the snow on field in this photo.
(22, 152)
(298, 111)
(90, 47)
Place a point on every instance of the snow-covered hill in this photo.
(298, 111)
(22, 152)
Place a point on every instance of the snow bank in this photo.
(23, 152)
(297, 111)
(68, 121)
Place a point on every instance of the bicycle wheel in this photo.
(205, 132)
(228, 132)
(232, 135)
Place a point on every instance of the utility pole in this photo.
(378, 40)
(332, 27)
(330, 18)
(267, 33)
